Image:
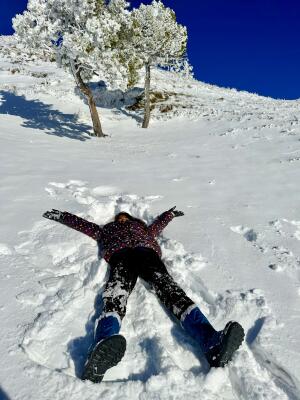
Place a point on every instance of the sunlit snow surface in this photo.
(229, 160)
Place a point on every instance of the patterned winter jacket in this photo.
(115, 236)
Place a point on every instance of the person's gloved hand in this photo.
(176, 213)
(55, 215)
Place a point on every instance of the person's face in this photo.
(122, 218)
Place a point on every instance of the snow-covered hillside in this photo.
(230, 160)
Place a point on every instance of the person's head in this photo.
(125, 217)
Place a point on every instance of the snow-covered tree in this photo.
(156, 39)
(83, 36)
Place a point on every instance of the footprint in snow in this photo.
(248, 233)
(276, 243)
(5, 250)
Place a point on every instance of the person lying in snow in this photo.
(131, 249)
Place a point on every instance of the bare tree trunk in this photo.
(91, 102)
(147, 97)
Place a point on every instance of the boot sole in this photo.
(233, 338)
(105, 355)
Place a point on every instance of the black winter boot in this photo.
(230, 340)
(106, 354)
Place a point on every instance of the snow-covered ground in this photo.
(230, 160)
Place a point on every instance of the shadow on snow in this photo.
(80, 347)
(38, 115)
(3, 395)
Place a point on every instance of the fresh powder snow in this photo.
(230, 160)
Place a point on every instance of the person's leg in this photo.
(110, 346)
(218, 346)
(121, 281)
(154, 271)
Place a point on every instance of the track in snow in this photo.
(279, 242)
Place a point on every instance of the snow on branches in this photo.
(83, 35)
(157, 39)
(104, 38)
(85, 32)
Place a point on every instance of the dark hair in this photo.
(131, 218)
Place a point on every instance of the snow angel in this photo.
(131, 249)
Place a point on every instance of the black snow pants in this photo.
(126, 266)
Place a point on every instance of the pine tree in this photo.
(83, 36)
(156, 39)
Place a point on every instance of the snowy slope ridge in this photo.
(174, 97)
(228, 159)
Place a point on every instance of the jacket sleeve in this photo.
(81, 225)
(159, 224)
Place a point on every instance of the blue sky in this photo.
(251, 45)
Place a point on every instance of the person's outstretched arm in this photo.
(77, 223)
(159, 224)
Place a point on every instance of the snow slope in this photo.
(230, 160)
